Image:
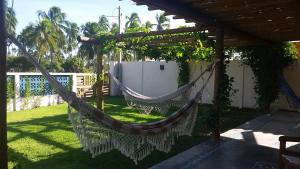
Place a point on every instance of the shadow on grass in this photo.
(72, 157)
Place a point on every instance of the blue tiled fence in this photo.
(37, 85)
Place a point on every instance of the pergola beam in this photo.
(121, 37)
(3, 113)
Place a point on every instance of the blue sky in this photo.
(81, 11)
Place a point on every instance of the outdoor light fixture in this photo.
(162, 67)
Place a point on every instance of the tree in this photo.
(56, 16)
(133, 21)
(11, 21)
(162, 22)
(59, 23)
(103, 24)
(74, 64)
(40, 38)
(114, 28)
(66, 32)
(71, 36)
(18, 64)
(149, 25)
(89, 29)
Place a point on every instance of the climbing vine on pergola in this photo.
(182, 45)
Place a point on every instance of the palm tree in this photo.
(40, 39)
(133, 21)
(162, 22)
(89, 29)
(66, 31)
(148, 25)
(56, 16)
(11, 21)
(103, 24)
(114, 28)
(71, 36)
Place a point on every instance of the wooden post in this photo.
(218, 78)
(3, 122)
(100, 99)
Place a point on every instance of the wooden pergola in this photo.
(230, 22)
(182, 36)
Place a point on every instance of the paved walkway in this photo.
(245, 147)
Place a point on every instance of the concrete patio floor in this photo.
(251, 144)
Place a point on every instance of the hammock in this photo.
(100, 133)
(146, 104)
(288, 91)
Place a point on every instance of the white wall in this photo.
(156, 82)
(147, 78)
(132, 73)
(33, 102)
(196, 68)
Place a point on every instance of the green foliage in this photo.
(51, 37)
(11, 21)
(226, 89)
(10, 88)
(41, 91)
(184, 71)
(168, 50)
(162, 22)
(70, 83)
(267, 62)
(27, 91)
(20, 64)
(133, 21)
(75, 65)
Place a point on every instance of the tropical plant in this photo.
(267, 63)
(114, 28)
(59, 26)
(162, 22)
(149, 25)
(18, 64)
(51, 37)
(11, 21)
(41, 39)
(133, 21)
(103, 24)
(74, 64)
(71, 36)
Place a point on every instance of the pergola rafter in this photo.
(182, 11)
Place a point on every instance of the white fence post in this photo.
(74, 82)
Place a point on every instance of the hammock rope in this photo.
(146, 104)
(99, 133)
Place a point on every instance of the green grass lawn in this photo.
(43, 138)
